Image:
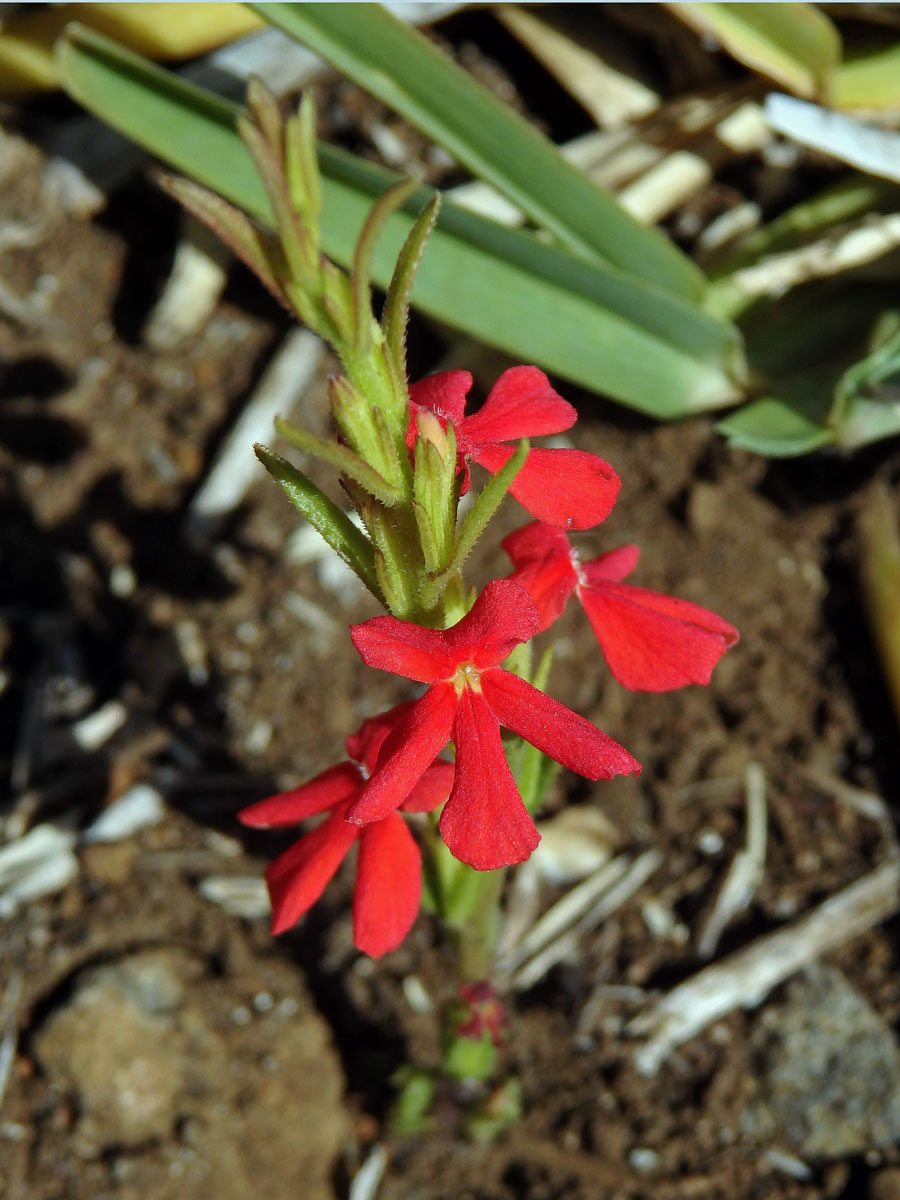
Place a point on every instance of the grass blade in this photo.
(795, 44)
(590, 324)
(406, 71)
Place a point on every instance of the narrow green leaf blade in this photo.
(782, 426)
(795, 44)
(406, 71)
(867, 398)
(476, 519)
(592, 325)
(325, 517)
(342, 458)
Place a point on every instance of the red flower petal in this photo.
(288, 808)
(403, 648)
(555, 729)
(501, 618)
(388, 886)
(520, 404)
(549, 587)
(613, 566)
(484, 823)
(298, 877)
(416, 741)
(363, 746)
(651, 642)
(540, 554)
(443, 394)
(568, 488)
(535, 543)
(432, 789)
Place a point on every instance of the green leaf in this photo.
(406, 71)
(782, 426)
(867, 397)
(590, 324)
(362, 258)
(476, 519)
(342, 458)
(396, 304)
(257, 250)
(795, 44)
(325, 517)
(870, 78)
(393, 532)
(436, 490)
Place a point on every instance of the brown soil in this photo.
(103, 444)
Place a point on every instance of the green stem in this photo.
(476, 938)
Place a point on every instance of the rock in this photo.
(178, 1100)
(828, 1080)
(116, 1047)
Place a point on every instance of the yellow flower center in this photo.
(467, 676)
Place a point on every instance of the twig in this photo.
(747, 867)
(631, 881)
(239, 895)
(867, 804)
(745, 978)
(573, 905)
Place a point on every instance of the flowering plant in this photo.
(405, 455)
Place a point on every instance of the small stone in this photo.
(642, 1159)
(122, 581)
(258, 738)
(829, 1081)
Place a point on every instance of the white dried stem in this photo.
(610, 96)
(571, 908)
(629, 881)
(876, 151)
(745, 978)
(367, 1179)
(867, 240)
(747, 868)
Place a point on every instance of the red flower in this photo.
(651, 642)
(483, 1014)
(569, 488)
(389, 867)
(484, 822)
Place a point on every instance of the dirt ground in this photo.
(169, 1047)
